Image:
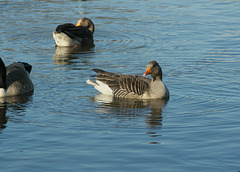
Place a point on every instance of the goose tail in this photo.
(101, 87)
(90, 82)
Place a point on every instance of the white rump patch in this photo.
(101, 87)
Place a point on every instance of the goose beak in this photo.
(78, 24)
(148, 71)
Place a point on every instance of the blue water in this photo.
(67, 126)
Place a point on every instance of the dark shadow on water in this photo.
(65, 55)
(13, 103)
(134, 107)
(3, 118)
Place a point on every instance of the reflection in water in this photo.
(64, 54)
(16, 99)
(3, 118)
(134, 107)
(17, 103)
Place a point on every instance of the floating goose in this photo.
(132, 86)
(14, 79)
(75, 35)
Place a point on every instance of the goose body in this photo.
(14, 79)
(132, 86)
(75, 35)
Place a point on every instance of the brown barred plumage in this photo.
(122, 85)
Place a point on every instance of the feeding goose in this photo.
(132, 86)
(69, 34)
(14, 79)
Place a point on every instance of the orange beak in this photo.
(148, 71)
(78, 24)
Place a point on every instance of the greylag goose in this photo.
(69, 34)
(14, 79)
(132, 86)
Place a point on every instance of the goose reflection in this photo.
(134, 107)
(16, 103)
(3, 118)
(23, 98)
(64, 55)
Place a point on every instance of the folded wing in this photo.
(74, 32)
(123, 85)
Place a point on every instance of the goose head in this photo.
(154, 69)
(85, 22)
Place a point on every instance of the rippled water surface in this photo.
(67, 126)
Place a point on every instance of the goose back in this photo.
(17, 79)
(75, 32)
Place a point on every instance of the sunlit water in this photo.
(67, 126)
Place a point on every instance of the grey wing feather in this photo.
(135, 84)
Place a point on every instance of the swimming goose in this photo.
(132, 86)
(75, 35)
(14, 79)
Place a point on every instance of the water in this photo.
(67, 126)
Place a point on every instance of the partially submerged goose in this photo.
(14, 79)
(132, 86)
(69, 34)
